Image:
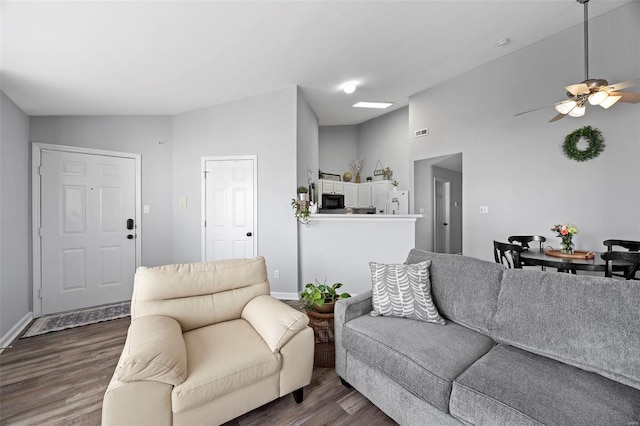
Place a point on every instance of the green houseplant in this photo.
(321, 297)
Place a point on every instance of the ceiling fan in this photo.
(592, 91)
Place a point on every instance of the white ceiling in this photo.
(168, 57)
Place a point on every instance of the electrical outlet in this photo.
(484, 209)
(422, 132)
(276, 274)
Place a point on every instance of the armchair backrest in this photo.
(199, 294)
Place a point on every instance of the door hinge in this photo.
(40, 170)
(205, 223)
(39, 232)
(205, 174)
(40, 293)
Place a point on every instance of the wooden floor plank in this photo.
(60, 378)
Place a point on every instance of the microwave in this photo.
(333, 201)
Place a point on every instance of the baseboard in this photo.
(15, 331)
(285, 296)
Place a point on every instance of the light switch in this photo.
(484, 209)
(146, 209)
(182, 202)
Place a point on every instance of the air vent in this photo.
(422, 132)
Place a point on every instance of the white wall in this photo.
(15, 214)
(265, 126)
(338, 145)
(132, 134)
(385, 139)
(515, 165)
(307, 142)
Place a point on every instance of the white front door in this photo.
(87, 204)
(229, 208)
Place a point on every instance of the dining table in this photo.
(540, 257)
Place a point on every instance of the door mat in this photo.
(65, 320)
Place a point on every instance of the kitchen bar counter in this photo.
(339, 247)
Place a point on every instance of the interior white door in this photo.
(441, 216)
(87, 258)
(229, 209)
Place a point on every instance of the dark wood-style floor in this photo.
(60, 379)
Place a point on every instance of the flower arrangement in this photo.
(301, 211)
(356, 165)
(387, 173)
(566, 232)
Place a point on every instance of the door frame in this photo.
(203, 198)
(36, 151)
(447, 200)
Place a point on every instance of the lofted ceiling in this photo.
(168, 57)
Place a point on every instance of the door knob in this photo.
(445, 224)
(249, 234)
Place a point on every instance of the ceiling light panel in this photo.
(379, 105)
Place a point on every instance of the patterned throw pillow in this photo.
(403, 291)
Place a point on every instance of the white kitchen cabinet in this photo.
(364, 195)
(379, 191)
(351, 191)
(331, 187)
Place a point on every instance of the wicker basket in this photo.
(325, 349)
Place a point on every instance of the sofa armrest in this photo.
(353, 307)
(345, 311)
(154, 350)
(275, 321)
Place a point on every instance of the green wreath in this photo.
(594, 139)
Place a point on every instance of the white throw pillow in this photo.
(403, 290)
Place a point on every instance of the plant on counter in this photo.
(301, 211)
(387, 173)
(394, 183)
(303, 190)
(321, 297)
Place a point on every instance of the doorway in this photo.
(431, 175)
(86, 210)
(229, 207)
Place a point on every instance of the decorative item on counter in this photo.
(395, 185)
(369, 178)
(566, 233)
(301, 211)
(347, 176)
(387, 173)
(356, 166)
(302, 193)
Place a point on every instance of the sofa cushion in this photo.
(403, 291)
(222, 358)
(154, 350)
(423, 357)
(585, 321)
(464, 289)
(512, 386)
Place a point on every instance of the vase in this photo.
(566, 246)
(357, 177)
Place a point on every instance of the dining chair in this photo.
(507, 254)
(633, 257)
(524, 241)
(628, 244)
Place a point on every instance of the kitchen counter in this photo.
(339, 247)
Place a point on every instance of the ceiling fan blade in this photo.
(624, 85)
(578, 89)
(537, 109)
(557, 117)
(630, 98)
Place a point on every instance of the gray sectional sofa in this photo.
(520, 347)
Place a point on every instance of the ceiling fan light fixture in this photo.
(565, 107)
(577, 111)
(610, 101)
(598, 97)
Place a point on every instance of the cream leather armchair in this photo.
(207, 343)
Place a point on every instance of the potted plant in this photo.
(302, 193)
(387, 173)
(395, 185)
(321, 297)
(301, 211)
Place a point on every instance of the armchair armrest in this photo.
(154, 350)
(275, 321)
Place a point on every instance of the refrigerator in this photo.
(392, 202)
